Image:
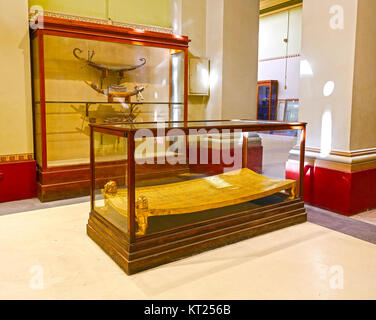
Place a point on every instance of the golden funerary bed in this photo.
(196, 195)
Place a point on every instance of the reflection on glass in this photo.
(292, 111)
(110, 175)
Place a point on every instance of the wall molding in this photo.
(351, 154)
(102, 21)
(16, 157)
(280, 58)
(344, 161)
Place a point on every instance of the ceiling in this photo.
(267, 6)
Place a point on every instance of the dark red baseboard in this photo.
(18, 180)
(347, 193)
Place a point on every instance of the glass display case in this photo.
(267, 99)
(164, 190)
(85, 72)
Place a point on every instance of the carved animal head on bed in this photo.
(141, 202)
(110, 187)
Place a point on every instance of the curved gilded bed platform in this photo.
(201, 194)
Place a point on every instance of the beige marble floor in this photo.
(367, 216)
(45, 254)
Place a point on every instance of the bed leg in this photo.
(292, 193)
(109, 190)
(142, 221)
(142, 215)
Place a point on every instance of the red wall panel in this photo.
(18, 180)
(347, 193)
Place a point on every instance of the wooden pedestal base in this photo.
(166, 246)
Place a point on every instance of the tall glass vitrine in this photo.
(90, 72)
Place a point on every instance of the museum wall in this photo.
(273, 51)
(16, 134)
(363, 116)
(156, 12)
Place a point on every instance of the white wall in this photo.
(276, 27)
(273, 51)
(16, 129)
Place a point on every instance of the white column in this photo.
(240, 59)
(327, 72)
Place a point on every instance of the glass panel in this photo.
(181, 180)
(281, 110)
(100, 81)
(177, 85)
(68, 133)
(291, 114)
(263, 107)
(273, 102)
(110, 176)
(292, 109)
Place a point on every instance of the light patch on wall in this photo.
(176, 16)
(326, 133)
(328, 88)
(305, 68)
(213, 78)
(204, 76)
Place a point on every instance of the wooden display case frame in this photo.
(270, 84)
(74, 180)
(134, 254)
